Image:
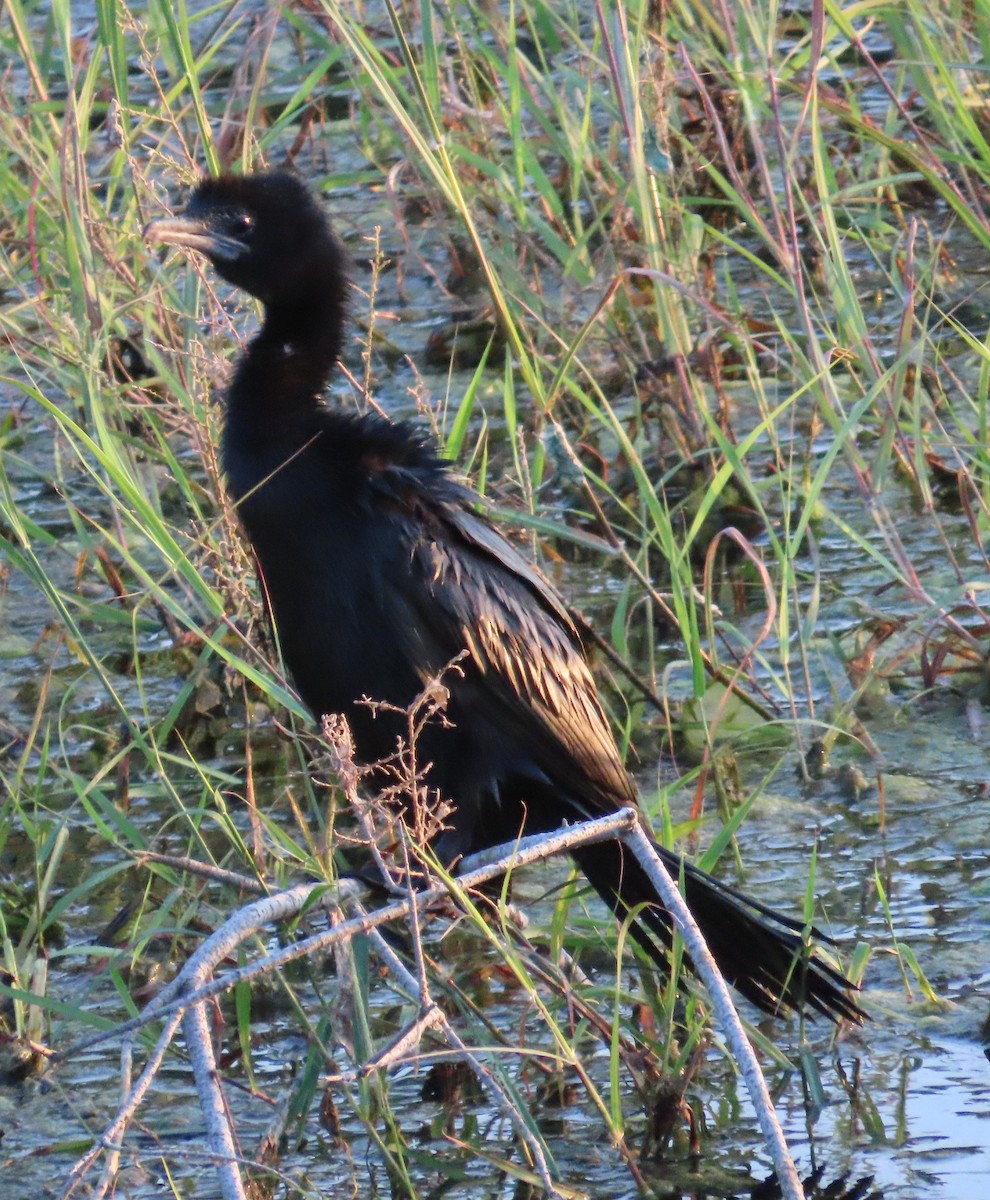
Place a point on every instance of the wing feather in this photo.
(469, 589)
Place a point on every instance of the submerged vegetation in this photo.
(693, 296)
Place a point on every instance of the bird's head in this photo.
(265, 233)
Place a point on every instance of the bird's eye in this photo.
(241, 226)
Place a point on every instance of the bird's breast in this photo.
(327, 569)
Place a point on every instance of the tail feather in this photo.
(759, 951)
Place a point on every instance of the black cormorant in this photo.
(379, 573)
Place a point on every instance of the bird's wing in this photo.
(470, 590)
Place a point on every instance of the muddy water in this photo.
(906, 1099)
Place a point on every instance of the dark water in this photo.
(906, 1098)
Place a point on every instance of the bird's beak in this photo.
(193, 234)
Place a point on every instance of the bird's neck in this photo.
(288, 363)
(291, 359)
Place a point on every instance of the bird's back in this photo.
(380, 577)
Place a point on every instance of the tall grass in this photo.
(715, 260)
